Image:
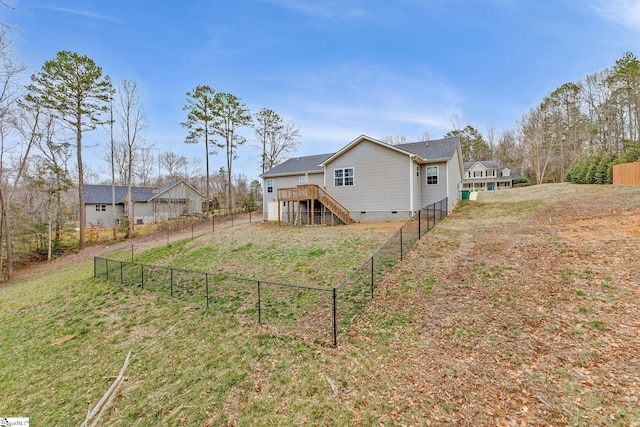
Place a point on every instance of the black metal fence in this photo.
(318, 313)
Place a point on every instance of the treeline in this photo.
(576, 133)
(580, 129)
(43, 126)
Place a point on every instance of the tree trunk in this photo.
(49, 230)
(81, 211)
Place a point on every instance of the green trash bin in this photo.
(465, 194)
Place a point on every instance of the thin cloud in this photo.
(626, 12)
(338, 10)
(86, 14)
(339, 102)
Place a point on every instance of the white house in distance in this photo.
(366, 180)
(149, 204)
(487, 175)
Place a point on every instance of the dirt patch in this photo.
(529, 318)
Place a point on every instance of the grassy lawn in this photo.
(520, 309)
(308, 256)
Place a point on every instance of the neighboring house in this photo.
(149, 204)
(366, 180)
(487, 175)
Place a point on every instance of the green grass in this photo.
(62, 335)
(419, 355)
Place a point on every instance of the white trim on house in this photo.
(381, 188)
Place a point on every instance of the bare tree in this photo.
(131, 120)
(51, 177)
(395, 140)
(491, 136)
(174, 164)
(275, 138)
(13, 151)
(147, 166)
(425, 136)
(537, 145)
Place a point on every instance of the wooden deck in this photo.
(309, 204)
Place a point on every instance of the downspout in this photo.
(411, 186)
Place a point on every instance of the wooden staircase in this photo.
(311, 193)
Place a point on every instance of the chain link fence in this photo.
(320, 314)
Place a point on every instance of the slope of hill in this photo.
(520, 308)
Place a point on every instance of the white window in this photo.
(432, 174)
(101, 208)
(342, 177)
(477, 174)
(269, 186)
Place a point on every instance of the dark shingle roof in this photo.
(101, 194)
(489, 164)
(298, 165)
(429, 150)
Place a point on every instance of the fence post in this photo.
(249, 217)
(401, 244)
(213, 223)
(121, 278)
(95, 268)
(232, 218)
(206, 280)
(132, 252)
(335, 320)
(171, 282)
(419, 222)
(142, 275)
(372, 278)
(434, 215)
(259, 306)
(106, 264)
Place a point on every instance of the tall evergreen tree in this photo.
(201, 122)
(230, 115)
(74, 88)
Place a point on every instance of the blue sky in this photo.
(337, 68)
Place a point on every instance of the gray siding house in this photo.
(487, 175)
(149, 204)
(368, 178)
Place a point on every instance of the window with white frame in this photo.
(101, 208)
(432, 174)
(269, 186)
(342, 177)
(477, 174)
